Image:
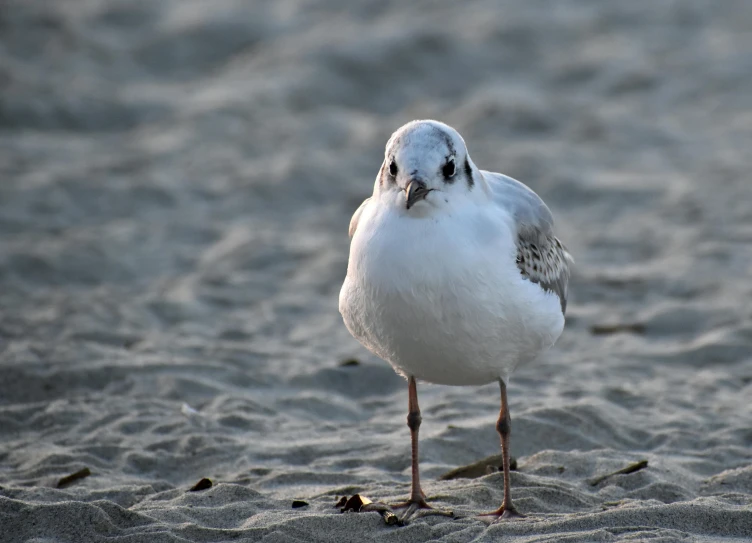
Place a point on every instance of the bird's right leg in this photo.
(417, 500)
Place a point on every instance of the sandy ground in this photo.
(176, 182)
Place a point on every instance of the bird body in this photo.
(441, 297)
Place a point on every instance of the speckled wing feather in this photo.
(541, 257)
(545, 263)
(356, 216)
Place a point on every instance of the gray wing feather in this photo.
(541, 257)
(356, 217)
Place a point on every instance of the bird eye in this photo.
(449, 168)
(393, 168)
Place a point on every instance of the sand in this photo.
(177, 179)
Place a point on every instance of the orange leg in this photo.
(504, 427)
(417, 498)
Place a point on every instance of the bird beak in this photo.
(416, 190)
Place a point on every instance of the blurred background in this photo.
(176, 181)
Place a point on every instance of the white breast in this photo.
(441, 298)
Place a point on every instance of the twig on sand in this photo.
(361, 504)
(73, 477)
(490, 464)
(631, 468)
(203, 484)
(607, 329)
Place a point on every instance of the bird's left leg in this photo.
(504, 426)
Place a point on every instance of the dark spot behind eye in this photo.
(449, 169)
(469, 173)
(393, 168)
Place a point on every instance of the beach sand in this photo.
(176, 181)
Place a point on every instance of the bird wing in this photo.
(356, 217)
(541, 257)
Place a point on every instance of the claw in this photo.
(418, 508)
(504, 513)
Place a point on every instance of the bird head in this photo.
(426, 165)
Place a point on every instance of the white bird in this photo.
(455, 276)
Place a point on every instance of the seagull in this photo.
(454, 277)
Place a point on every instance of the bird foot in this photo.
(504, 513)
(418, 508)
